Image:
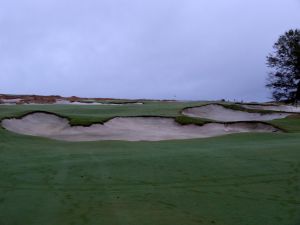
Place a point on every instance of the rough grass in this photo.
(290, 124)
(185, 120)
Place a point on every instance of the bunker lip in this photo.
(220, 112)
(89, 124)
(272, 107)
(143, 128)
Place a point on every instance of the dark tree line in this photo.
(284, 78)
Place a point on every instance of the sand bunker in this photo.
(220, 113)
(66, 102)
(282, 108)
(128, 128)
(63, 102)
(13, 101)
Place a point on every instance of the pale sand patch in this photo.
(282, 108)
(10, 101)
(125, 128)
(220, 113)
(66, 102)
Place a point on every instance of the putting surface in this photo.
(240, 179)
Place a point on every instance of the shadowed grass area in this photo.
(291, 123)
(186, 120)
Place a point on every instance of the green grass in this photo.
(291, 124)
(185, 120)
(87, 115)
(242, 179)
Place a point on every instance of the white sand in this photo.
(220, 113)
(66, 102)
(282, 108)
(128, 129)
(10, 101)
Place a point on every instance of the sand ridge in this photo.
(59, 100)
(220, 113)
(66, 102)
(124, 128)
(281, 108)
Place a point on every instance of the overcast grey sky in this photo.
(191, 49)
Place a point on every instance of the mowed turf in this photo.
(86, 115)
(242, 179)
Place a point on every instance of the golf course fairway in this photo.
(236, 179)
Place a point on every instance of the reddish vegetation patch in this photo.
(27, 99)
(39, 99)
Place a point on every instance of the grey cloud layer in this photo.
(141, 49)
